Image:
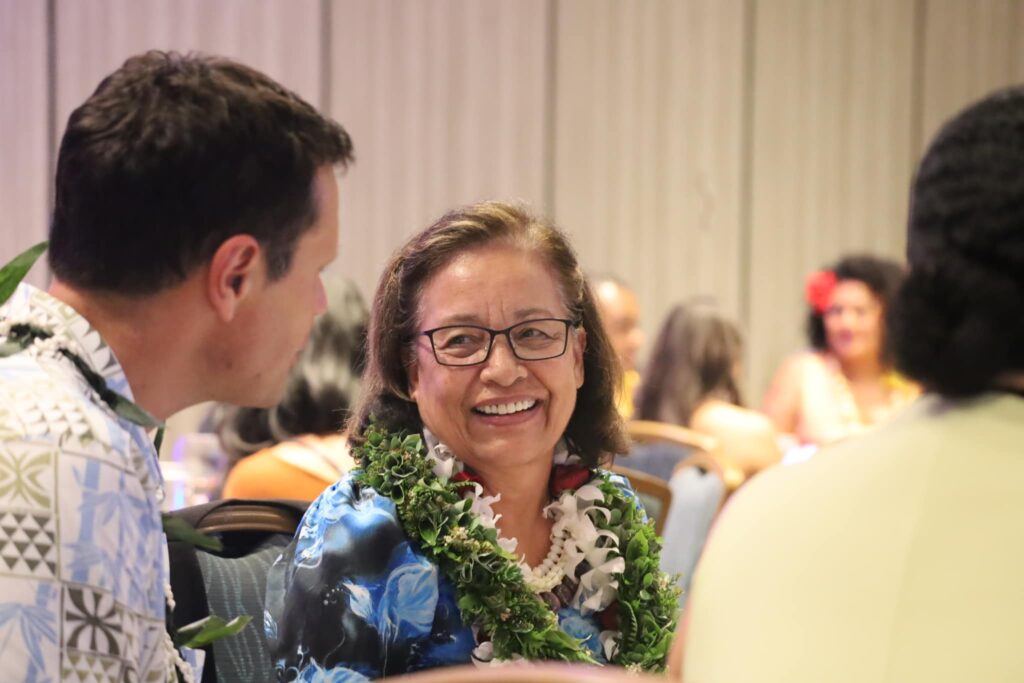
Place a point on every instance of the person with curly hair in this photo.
(898, 557)
(846, 382)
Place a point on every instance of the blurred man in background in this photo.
(620, 314)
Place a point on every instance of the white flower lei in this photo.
(598, 587)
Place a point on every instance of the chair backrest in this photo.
(232, 582)
(647, 431)
(698, 492)
(650, 433)
(654, 493)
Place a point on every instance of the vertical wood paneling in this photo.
(648, 145)
(831, 152)
(970, 48)
(24, 138)
(94, 37)
(446, 105)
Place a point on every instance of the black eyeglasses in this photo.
(539, 339)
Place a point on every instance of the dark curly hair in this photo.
(595, 429)
(958, 322)
(882, 276)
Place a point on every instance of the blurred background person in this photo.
(898, 557)
(620, 314)
(692, 380)
(296, 449)
(846, 382)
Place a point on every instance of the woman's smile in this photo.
(502, 411)
(507, 413)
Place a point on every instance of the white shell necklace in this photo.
(550, 572)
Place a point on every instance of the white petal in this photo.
(610, 643)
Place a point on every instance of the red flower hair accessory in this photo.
(818, 289)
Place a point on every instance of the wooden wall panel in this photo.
(648, 145)
(446, 103)
(970, 48)
(24, 134)
(94, 37)
(832, 153)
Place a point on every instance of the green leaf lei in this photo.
(489, 583)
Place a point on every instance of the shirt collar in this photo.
(33, 306)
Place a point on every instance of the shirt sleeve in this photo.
(350, 594)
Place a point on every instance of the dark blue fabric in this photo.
(351, 598)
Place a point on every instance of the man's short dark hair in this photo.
(958, 322)
(173, 154)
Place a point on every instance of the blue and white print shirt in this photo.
(82, 548)
(352, 599)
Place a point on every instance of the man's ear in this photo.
(236, 268)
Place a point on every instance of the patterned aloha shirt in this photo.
(82, 549)
(352, 599)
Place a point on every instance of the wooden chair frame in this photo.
(650, 485)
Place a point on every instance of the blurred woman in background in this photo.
(846, 382)
(691, 380)
(297, 449)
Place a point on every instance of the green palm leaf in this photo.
(15, 271)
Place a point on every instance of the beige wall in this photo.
(721, 147)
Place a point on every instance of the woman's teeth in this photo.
(507, 408)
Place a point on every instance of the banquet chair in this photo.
(232, 582)
(648, 431)
(660, 446)
(698, 490)
(654, 494)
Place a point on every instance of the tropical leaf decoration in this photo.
(15, 271)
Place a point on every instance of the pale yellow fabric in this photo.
(624, 401)
(828, 411)
(897, 556)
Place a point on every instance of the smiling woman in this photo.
(480, 527)
(846, 383)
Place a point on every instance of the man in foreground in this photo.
(196, 205)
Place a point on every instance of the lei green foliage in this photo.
(648, 598)
(487, 578)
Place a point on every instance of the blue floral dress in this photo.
(352, 599)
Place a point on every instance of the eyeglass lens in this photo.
(530, 340)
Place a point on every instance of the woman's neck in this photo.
(524, 494)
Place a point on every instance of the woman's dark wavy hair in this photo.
(882, 276)
(694, 358)
(595, 428)
(958, 322)
(323, 385)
